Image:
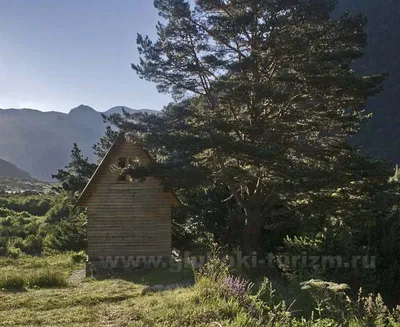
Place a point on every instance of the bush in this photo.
(22, 232)
(46, 279)
(78, 257)
(60, 210)
(3, 245)
(14, 253)
(67, 235)
(10, 282)
(16, 242)
(37, 205)
(33, 245)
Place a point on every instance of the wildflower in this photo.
(235, 286)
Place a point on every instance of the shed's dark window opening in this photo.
(123, 163)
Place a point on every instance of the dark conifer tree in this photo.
(268, 100)
(77, 173)
(101, 147)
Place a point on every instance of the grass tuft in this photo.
(11, 282)
(46, 279)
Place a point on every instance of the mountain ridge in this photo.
(40, 142)
(115, 109)
(8, 169)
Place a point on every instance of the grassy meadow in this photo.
(62, 297)
(56, 293)
(43, 283)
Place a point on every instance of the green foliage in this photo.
(32, 245)
(328, 297)
(60, 210)
(36, 205)
(78, 257)
(68, 235)
(77, 173)
(269, 103)
(13, 252)
(101, 147)
(258, 151)
(58, 229)
(205, 218)
(215, 284)
(257, 143)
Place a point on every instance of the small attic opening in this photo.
(125, 162)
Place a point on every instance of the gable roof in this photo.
(118, 141)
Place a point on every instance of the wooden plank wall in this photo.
(128, 218)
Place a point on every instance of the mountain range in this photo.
(7, 169)
(40, 142)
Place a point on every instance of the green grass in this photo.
(27, 264)
(157, 276)
(46, 279)
(36, 272)
(110, 302)
(119, 301)
(11, 282)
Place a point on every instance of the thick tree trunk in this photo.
(252, 232)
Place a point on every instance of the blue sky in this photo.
(57, 54)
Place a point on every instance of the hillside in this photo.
(40, 142)
(17, 185)
(7, 169)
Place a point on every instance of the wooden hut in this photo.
(126, 217)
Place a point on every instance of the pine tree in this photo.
(77, 173)
(268, 100)
(104, 144)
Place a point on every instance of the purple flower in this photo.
(235, 286)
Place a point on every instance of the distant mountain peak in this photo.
(118, 110)
(41, 142)
(82, 108)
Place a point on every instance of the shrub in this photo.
(37, 205)
(67, 235)
(33, 245)
(3, 246)
(46, 279)
(13, 252)
(10, 281)
(78, 257)
(22, 232)
(60, 210)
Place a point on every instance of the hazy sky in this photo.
(57, 54)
